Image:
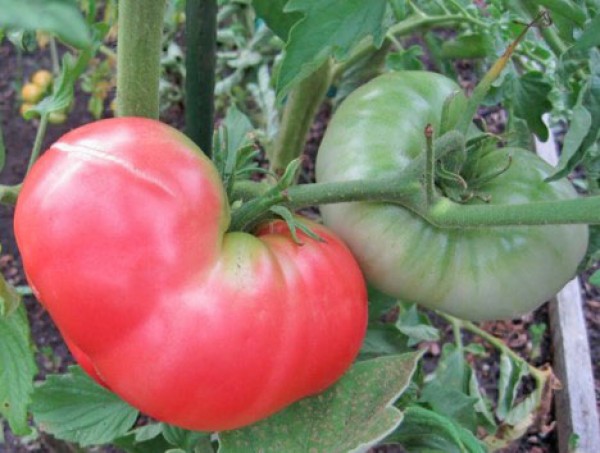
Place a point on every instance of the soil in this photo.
(53, 356)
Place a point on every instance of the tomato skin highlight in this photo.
(122, 226)
(476, 274)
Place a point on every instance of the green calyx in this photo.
(457, 174)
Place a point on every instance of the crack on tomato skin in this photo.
(88, 151)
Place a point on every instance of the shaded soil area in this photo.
(53, 356)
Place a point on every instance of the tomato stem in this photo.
(494, 341)
(492, 74)
(447, 214)
(39, 138)
(138, 53)
(300, 109)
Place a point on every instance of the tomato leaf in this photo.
(355, 412)
(595, 278)
(590, 36)
(382, 340)
(9, 298)
(425, 430)
(185, 440)
(511, 373)
(17, 368)
(472, 45)
(60, 17)
(276, 17)
(530, 101)
(409, 59)
(63, 88)
(327, 29)
(580, 125)
(416, 326)
(454, 392)
(144, 439)
(73, 407)
(565, 8)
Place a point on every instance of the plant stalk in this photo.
(447, 214)
(393, 190)
(408, 191)
(405, 27)
(201, 48)
(555, 43)
(39, 138)
(300, 109)
(138, 57)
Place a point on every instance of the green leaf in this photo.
(145, 439)
(590, 36)
(63, 88)
(591, 101)
(530, 100)
(453, 391)
(485, 417)
(595, 278)
(409, 59)
(73, 407)
(579, 127)
(60, 17)
(354, 413)
(452, 368)
(23, 40)
(382, 340)
(185, 440)
(147, 432)
(416, 326)
(473, 45)
(380, 304)
(453, 108)
(238, 127)
(511, 372)
(565, 8)
(424, 430)
(451, 403)
(9, 298)
(274, 14)
(330, 28)
(17, 369)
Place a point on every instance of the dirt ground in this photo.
(52, 355)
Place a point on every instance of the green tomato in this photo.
(477, 274)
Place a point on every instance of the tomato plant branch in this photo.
(492, 74)
(407, 191)
(494, 341)
(447, 214)
(300, 110)
(200, 60)
(555, 43)
(138, 53)
(39, 138)
(415, 21)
